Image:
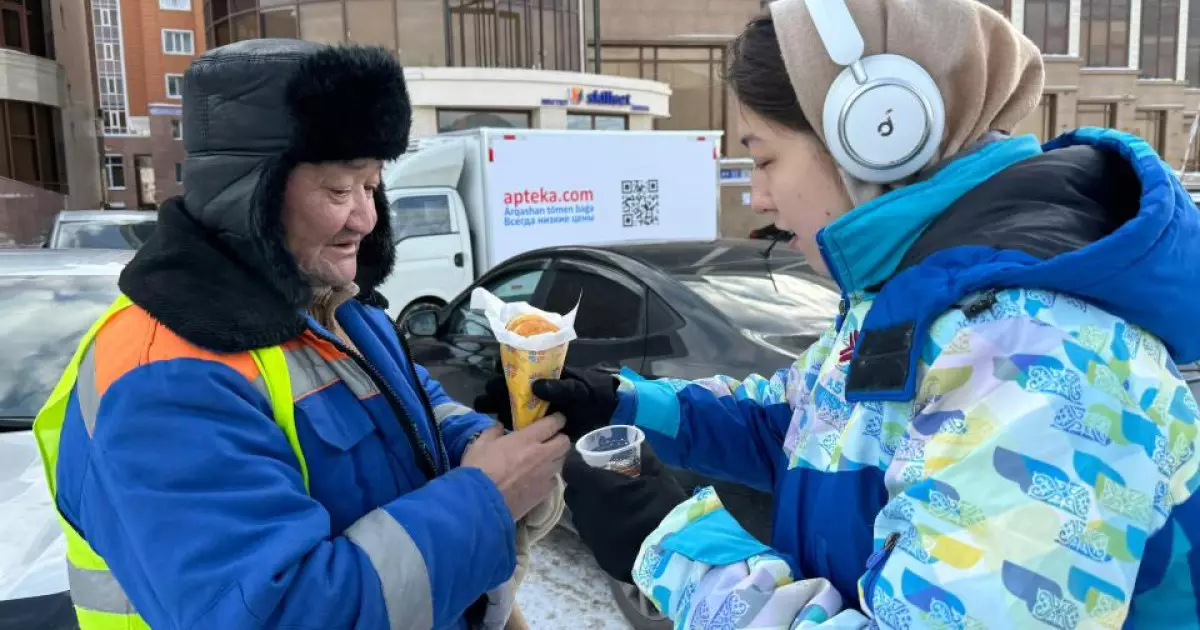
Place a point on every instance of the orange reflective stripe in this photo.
(324, 348)
(132, 338)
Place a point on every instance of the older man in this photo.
(242, 441)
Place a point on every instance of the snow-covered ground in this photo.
(565, 589)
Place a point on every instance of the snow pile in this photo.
(565, 589)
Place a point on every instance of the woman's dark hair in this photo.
(759, 77)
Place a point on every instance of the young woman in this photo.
(994, 432)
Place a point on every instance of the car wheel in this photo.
(416, 307)
(640, 612)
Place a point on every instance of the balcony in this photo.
(25, 77)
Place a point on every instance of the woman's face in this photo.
(795, 180)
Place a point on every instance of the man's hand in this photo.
(587, 399)
(521, 464)
(614, 513)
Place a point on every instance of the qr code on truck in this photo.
(639, 202)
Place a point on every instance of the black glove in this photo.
(614, 513)
(587, 399)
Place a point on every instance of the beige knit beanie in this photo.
(990, 75)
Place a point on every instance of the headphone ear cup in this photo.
(889, 127)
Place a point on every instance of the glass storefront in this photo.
(599, 122)
(480, 33)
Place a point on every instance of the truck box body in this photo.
(523, 189)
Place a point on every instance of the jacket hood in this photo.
(1100, 217)
(216, 271)
(1097, 217)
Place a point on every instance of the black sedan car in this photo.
(681, 310)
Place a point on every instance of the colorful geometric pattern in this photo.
(1026, 482)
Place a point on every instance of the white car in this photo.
(50, 299)
(101, 229)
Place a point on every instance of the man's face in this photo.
(328, 209)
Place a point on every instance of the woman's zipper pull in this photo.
(881, 554)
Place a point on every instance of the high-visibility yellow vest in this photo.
(100, 602)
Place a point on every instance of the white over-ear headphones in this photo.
(884, 115)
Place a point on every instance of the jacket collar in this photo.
(196, 284)
(863, 248)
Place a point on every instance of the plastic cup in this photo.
(617, 448)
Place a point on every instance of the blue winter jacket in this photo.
(993, 434)
(171, 466)
(194, 498)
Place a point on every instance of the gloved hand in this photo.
(614, 513)
(587, 399)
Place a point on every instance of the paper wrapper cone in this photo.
(526, 359)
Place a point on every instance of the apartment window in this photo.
(177, 42)
(115, 121)
(457, 119)
(692, 70)
(178, 172)
(600, 122)
(1096, 115)
(176, 129)
(175, 5)
(174, 86)
(110, 65)
(281, 23)
(1160, 34)
(510, 34)
(112, 85)
(31, 145)
(1193, 44)
(1104, 33)
(114, 171)
(1151, 125)
(1047, 24)
(22, 28)
(14, 25)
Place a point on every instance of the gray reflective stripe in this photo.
(98, 590)
(260, 384)
(450, 410)
(85, 389)
(307, 370)
(400, 567)
(310, 372)
(355, 378)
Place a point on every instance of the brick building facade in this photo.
(142, 49)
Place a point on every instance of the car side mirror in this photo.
(422, 324)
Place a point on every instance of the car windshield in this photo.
(43, 319)
(104, 235)
(784, 308)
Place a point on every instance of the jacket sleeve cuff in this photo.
(438, 549)
(651, 405)
(463, 437)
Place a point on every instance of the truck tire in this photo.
(423, 304)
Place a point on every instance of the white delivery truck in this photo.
(464, 202)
